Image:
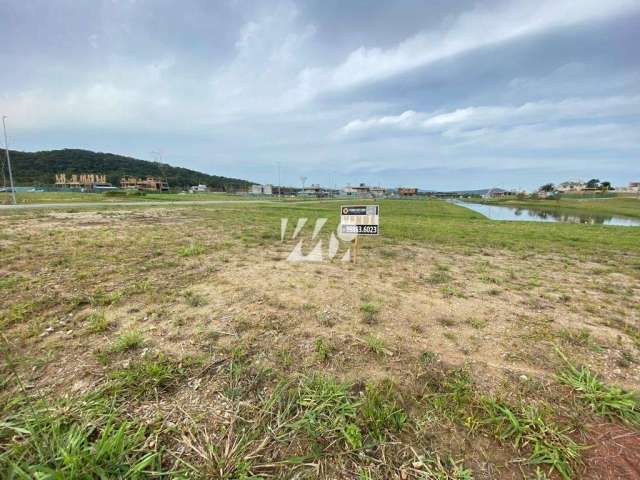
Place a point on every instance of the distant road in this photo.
(36, 206)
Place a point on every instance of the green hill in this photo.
(39, 169)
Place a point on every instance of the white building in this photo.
(199, 189)
(261, 189)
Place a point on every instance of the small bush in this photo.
(191, 250)
(128, 341)
(369, 312)
(97, 322)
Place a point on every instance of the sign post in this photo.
(359, 220)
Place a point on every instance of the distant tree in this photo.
(547, 187)
(605, 185)
(593, 183)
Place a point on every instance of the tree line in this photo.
(39, 169)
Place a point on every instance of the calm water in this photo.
(501, 212)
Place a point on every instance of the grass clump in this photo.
(428, 357)
(74, 440)
(194, 300)
(97, 322)
(379, 411)
(191, 250)
(369, 312)
(604, 400)
(104, 299)
(375, 345)
(328, 412)
(323, 349)
(439, 277)
(128, 341)
(147, 377)
(432, 466)
(528, 427)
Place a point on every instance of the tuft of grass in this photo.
(194, 300)
(75, 440)
(432, 466)
(191, 250)
(379, 411)
(128, 341)
(327, 412)
(323, 348)
(369, 312)
(527, 426)
(147, 377)
(478, 323)
(439, 277)
(376, 345)
(104, 299)
(97, 322)
(428, 357)
(604, 400)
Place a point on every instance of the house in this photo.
(571, 186)
(266, 189)
(199, 189)
(148, 184)
(83, 180)
(315, 190)
(363, 190)
(497, 193)
(407, 191)
(634, 187)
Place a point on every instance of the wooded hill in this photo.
(39, 169)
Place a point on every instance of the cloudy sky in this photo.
(437, 94)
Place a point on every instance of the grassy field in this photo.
(627, 206)
(178, 342)
(73, 197)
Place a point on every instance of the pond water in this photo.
(501, 212)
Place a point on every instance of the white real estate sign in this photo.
(360, 219)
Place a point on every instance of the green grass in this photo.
(97, 322)
(74, 440)
(146, 377)
(527, 427)
(369, 312)
(194, 300)
(380, 413)
(323, 349)
(607, 401)
(126, 341)
(191, 250)
(327, 412)
(375, 345)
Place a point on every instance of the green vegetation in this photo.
(433, 357)
(607, 401)
(129, 340)
(74, 440)
(39, 168)
(369, 312)
(626, 206)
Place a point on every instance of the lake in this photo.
(501, 212)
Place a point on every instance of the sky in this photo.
(438, 94)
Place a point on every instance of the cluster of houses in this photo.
(594, 185)
(361, 190)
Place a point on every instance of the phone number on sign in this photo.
(360, 229)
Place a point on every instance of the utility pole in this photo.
(6, 149)
(279, 184)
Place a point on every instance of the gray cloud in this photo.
(330, 89)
